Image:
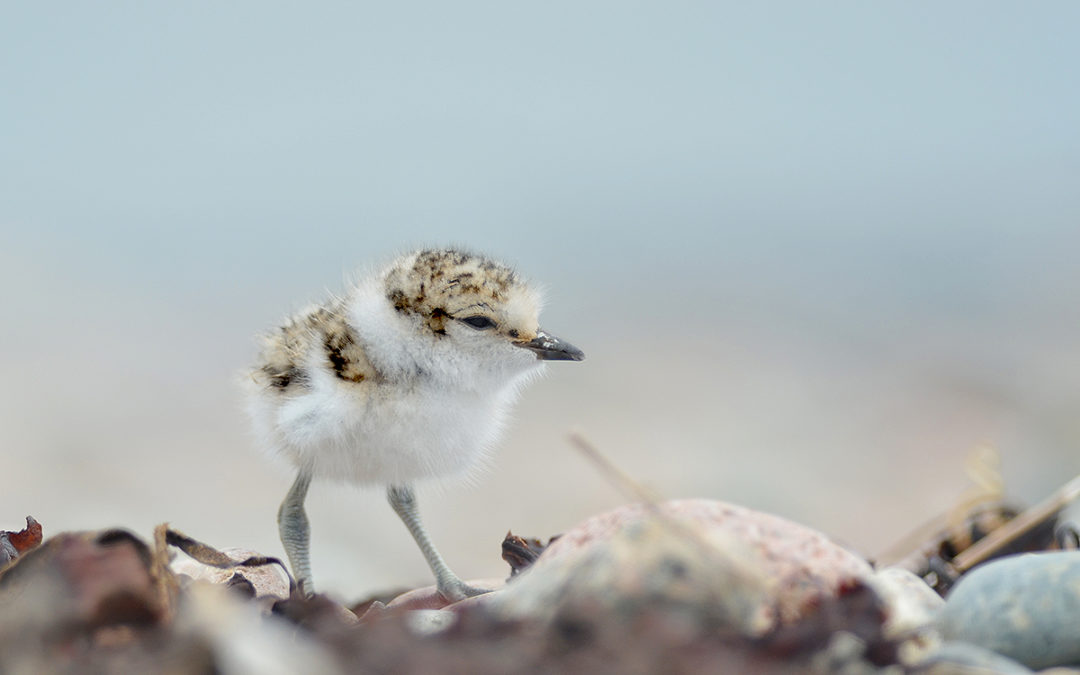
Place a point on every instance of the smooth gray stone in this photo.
(1026, 607)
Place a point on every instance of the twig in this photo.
(1018, 526)
(619, 478)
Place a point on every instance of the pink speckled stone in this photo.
(805, 564)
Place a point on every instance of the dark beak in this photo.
(550, 348)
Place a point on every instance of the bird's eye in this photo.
(479, 322)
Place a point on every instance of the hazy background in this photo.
(815, 254)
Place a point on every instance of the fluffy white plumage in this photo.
(430, 403)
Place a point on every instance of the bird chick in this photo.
(409, 375)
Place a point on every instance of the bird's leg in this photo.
(295, 532)
(452, 588)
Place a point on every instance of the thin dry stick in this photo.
(983, 470)
(636, 490)
(167, 586)
(617, 476)
(983, 465)
(1018, 526)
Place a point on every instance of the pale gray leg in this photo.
(295, 532)
(452, 588)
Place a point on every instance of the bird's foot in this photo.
(454, 590)
(304, 588)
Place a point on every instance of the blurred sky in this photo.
(815, 253)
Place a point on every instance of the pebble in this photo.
(1026, 607)
(952, 658)
(430, 621)
(757, 570)
(911, 603)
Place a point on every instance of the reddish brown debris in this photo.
(94, 602)
(14, 544)
(88, 579)
(520, 552)
(28, 538)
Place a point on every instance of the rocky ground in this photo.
(683, 586)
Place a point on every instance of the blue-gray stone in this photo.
(959, 657)
(1026, 607)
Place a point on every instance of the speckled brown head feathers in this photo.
(443, 285)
